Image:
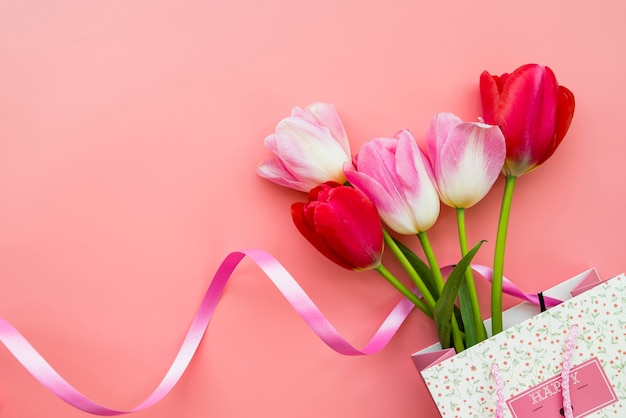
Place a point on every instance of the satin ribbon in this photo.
(39, 368)
(497, 377)
(509, 287)
(567, 365)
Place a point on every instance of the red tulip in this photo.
(343, 224)
(533, 112)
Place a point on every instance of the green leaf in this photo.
(459, 319)
(473, 334)
(420, 267)
(445, 304)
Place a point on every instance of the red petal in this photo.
(564, 114)
(490, 97)
(501, 80)
(351, 227)
(528, 112)
(321, 191)
(303, 216)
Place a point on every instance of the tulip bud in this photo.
(532, 110)
(466, 157)
(342, 223)
(396, 175)
(310, 147)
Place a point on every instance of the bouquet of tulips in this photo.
(392, 184)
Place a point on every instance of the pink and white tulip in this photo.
(466, 158)
(396, 175)
(310, 147)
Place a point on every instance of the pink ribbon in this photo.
(567, 365)
(37, 366)
(497, 377)
(510, 289)
(47, 376)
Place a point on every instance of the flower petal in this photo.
(490, 97)
(275, 171)
(437, 132)
(564, 114)
(528, 112)
(302, 219)
(417, 181)
(326, 115)
(352, 227)
(309, 151)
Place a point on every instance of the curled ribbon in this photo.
(41, 370)
(37, 366)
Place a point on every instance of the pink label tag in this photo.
(589, 387)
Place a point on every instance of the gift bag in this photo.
(569, 356)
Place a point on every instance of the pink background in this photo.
(129, 134)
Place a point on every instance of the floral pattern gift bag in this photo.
(566, 361)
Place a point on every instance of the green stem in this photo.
(403, 289)
(457, 338)
(498, 262)
(469, 278)
(419, 283)
(432, 261)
